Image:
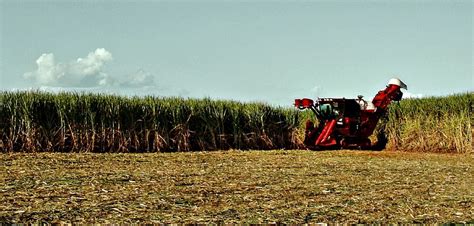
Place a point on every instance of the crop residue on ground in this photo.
(236, 186)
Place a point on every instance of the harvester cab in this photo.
(347, 123)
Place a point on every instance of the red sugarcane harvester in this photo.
(347, 123)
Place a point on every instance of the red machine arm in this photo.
(389, 94)
(385, 97)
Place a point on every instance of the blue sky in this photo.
(270, 51)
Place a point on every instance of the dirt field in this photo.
(236, 186)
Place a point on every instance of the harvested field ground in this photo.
(237, 186)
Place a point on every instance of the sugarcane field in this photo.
(225, 172)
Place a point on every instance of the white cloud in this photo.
(316, 90)
(84, 72)
(408, 95)
(141, 78)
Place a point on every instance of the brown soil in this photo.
(236, 186)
